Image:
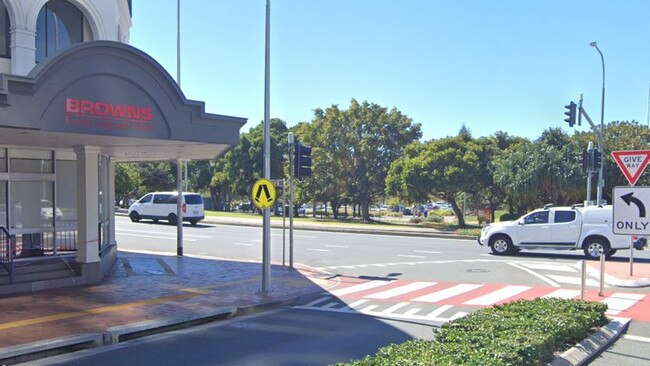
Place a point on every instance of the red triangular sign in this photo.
(632, 163)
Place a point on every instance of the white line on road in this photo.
(162, 232)
(360, 287)
(318, 250)
(618, 302)
(395, 307)
(154, 237)
(410, 256)
(636, 338)
(562, 294)
(318, 301)
(434, 314)
(498, 295)
(540, 276)
(401, 290)
(448, 292)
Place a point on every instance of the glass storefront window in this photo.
(3, 160)
(30, 161)
(32, 204)
(3, 204)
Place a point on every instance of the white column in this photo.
(87, 203)
(111, 200)
(23, 50)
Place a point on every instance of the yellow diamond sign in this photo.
(263, 193)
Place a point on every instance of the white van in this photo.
(162, 206)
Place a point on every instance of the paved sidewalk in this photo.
(145, 293)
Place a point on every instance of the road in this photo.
(391, 288)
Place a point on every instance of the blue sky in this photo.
(491, 65)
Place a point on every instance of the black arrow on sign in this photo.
(629, 198)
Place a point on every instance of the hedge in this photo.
(521, 332)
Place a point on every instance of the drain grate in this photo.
(146, 266)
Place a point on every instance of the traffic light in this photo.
(571, 114)
(302, 161)
(598, 160)
(587, 163)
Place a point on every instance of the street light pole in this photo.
(601, 180)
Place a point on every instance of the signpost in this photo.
(630, 203)
(263, 193)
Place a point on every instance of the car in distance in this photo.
(162, 206)
(564, 228)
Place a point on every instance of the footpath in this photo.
(147, 294)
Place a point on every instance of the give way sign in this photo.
(632, 163)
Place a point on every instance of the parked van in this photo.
(162, 206)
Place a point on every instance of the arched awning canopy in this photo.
(114, 96)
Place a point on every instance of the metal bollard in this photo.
(602, 275)
(583, 282)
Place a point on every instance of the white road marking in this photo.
(330, 305)
(458, 315)
(448, 292)
(395, 307)
(538, 275)
(498, 295)
(318, 301)
(318, 250)
(562, 294)
(550, 267)
(154, 237)
(426, 251)
(354, 304)
(618, 302)
(162, 232)
(369, 308)
(636, 338)
(410, 256)
(434, 314)
(401, 290)
(337, 246)
(360, 287)
(574, 280)
(412, 311)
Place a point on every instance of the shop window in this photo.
(32, 204)
(3, 160)
(60, 24)
(4, 32)
(30, 161)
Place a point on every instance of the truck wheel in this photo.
(595, 247)
(135, 217)
(172, 219)
(501, 245)
(193, 222)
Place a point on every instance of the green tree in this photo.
(442, 168)
(127, 181)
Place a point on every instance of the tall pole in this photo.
(601, 180)
(179, 176)
(266, 237)
(179, 210)
(648, 105)
(291, 147)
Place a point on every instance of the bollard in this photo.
(583, 282)
(602, 275)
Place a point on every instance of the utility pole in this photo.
(601, 180)
(266, 236)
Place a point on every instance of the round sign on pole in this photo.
(263, 193)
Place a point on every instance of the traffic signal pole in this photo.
(291, 147)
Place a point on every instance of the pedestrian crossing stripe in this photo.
(407, 294)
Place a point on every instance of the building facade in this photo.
(75, 99)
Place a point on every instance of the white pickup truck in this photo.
(568, 228)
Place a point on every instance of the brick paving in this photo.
(146, 288)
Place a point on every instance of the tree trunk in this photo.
(365, 211)
(457, 211)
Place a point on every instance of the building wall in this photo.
(107, 20)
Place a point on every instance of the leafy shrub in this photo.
(434, 218)
(517, 333)
(415, 220)
(508, 217)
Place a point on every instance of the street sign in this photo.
(278, 183)
(632, 163)
(263, 193)
(631, 207)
